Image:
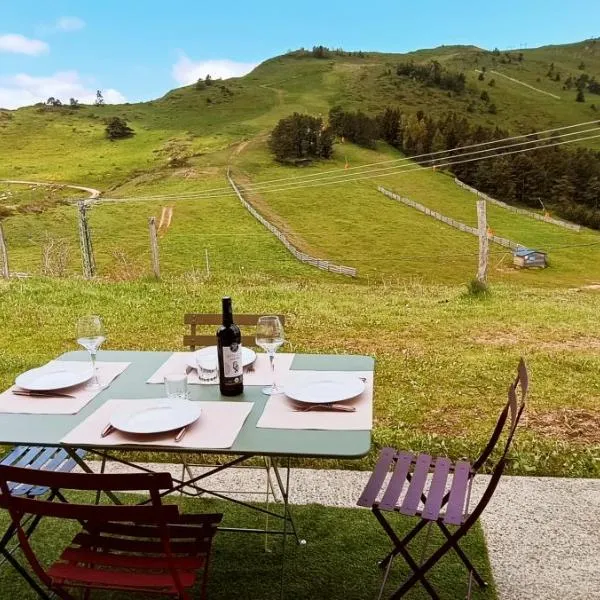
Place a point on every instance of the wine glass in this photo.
(269, 336)
(90, 335)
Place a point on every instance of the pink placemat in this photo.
(37, 405)
(280, 413)
(218, 426)
(261, 375)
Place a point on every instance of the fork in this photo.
(328, 406)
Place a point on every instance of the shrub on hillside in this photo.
(117, 129)
(299, 138)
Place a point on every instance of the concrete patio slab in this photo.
(543, 534)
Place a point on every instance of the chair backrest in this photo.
(244, 321)
(155, 513)
(511, 413)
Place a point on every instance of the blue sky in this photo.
(139, 49)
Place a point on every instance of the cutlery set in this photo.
(109, 429)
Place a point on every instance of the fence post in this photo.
(207, 264)
(85, 240)
(154, 247)
(4, 254)
(483, 242)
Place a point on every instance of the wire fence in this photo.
(324, 265)
(519, 211)
(449, 221)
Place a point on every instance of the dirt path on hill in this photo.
(523, 84)
(94, 193)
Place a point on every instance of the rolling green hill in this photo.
(185, 140)
(69, 145)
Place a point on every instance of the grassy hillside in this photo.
(443, 360)
(69, 145)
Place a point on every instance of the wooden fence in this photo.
(324, 265)
(519, 211)
(449, 221)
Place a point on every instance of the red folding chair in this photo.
(151, 549)
(32, 457)
(445, 502)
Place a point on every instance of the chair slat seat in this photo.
(417, 485)
(458, 494)
(396, 482)
(437, 489)
(67, 575)
(414, 470)
(129, 561)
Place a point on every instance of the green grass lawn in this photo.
(443, 359)
(339, 561)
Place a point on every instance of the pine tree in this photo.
(99, 98)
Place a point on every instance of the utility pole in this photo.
(85, 241)
(4, 254)
(154, 247)
(483, 242)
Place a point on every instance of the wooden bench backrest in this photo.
(205, 320)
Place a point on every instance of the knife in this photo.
(42, 394)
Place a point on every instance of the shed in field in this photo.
(527, 258)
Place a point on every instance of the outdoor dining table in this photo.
(280, 446)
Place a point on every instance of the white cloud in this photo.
(186, 71)
(19, 44)
(69, 24)
(24, 90)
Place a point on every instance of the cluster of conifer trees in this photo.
(564, 180)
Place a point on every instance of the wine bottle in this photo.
(229, 352)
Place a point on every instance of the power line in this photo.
(298, 179)
(389, 172)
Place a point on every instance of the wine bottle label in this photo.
(232, 362)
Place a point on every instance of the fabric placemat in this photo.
(40, 405)
(218, 426)
(260, 375)
(280, 413)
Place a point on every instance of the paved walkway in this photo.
(543, 534)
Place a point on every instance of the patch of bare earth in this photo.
(575, 425)
(512, 339)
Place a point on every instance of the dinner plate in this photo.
(248, 356)
(324, 389)
(54, 377)
(160, 416)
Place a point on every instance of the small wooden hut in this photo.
(525, 258)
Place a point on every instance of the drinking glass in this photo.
(176, 386)
(90, 335)
(269, 336)
(207, 367)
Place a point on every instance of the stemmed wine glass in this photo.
(90, 335)
(269, 336)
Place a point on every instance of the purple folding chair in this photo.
(410, 473)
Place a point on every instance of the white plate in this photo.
(54, 377)
(325, 389)
(162, 415)
(248, 356)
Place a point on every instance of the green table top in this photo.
(131, 384)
